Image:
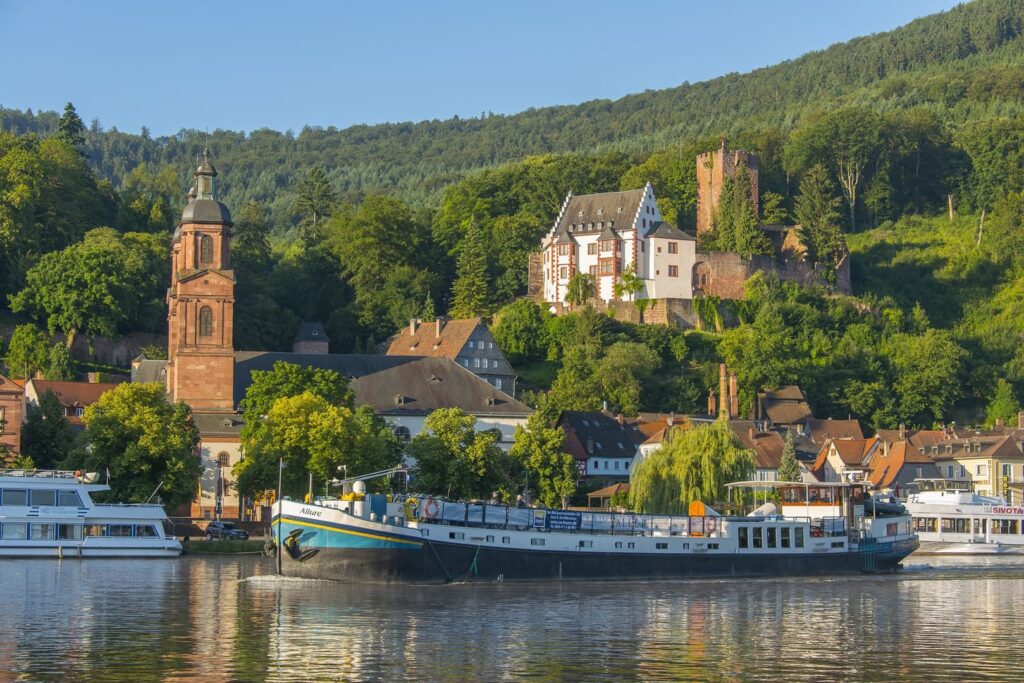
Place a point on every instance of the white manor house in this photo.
(608, 233)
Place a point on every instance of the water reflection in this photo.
(226, 619)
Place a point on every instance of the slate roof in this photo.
(596, 434)
(975, 447)
(311, 331)
(150, 371)
(213, 425)
(820, 430)
(206, 210)
(393, 385)
(664, 230)
(919, 438)
(620, 207)
(785, 406)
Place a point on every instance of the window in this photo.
(673, 247)
(14, 497)
(949, 471)
(490, 345)
(43, 497)
(618, 545)
(673, 271)
(744, 539)
(771, 537)
(69, 532)
(205, 322)
(1007, 471)
(465, 362)
(757, 536)
(981, 470)
(476, 362)
(784, 533)
(661, 546)
(489, 539)
(205, 250)
(606, 464)
(536, 541)
(563, 272)
(96, 530)
(120, 529)
(798, 537)
(630, 545)
(403, 433)
(918, 472)
(223, 459)
(456, 535)
(145, 531)
(925, 524)
(607, 268)
(68, 499)
(593, 270)
(14, 532)
(40, 532)
(592, 248)
(616, 464)
(506, 539)
(497, 383)
(563, 249)
(963, 471)
(607, 245)
(586, 544)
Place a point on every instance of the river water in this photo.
(230, 619)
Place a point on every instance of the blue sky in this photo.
(251, 64)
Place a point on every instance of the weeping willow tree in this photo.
(695, 464)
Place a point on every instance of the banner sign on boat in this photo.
(563, 520)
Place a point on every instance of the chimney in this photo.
(604, 406)
(903, 430)
(439, 325)
(711, 402)
(734, 399)
(412, 326)
(750, 433)
(999, 423)
(620, 419)
(723, 390)
(670, 420)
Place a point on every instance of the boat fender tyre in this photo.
(430, 508)
(209, 536)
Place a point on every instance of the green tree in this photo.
(622, 373)
(763, 354)
(736, 226)
(773, 211)
(817, 213)
(539, 451)
(314, 199)
(143, 441)
(581, 289)
(46, 435)
(250, 243)
(927, 371)
(313, 436)
(456, 461)
(28, 352)
(289, 379)
(789, 468)
(71, 129)
(60, 366)
(848, 141)
(521, 331)
(1004, 405)
(575, 386)
(695, 464)
(95, 285)
(470, 289)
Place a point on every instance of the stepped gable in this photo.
(584, 212)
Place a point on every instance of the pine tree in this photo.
(1004, 405)
(71, 128)
(469, 292)
(60, 367)
(314, 199)
(817, 211)
(747, 237)
(789, 468)
(428, 315)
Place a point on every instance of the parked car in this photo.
(225, 530)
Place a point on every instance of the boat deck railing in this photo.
(436, 511)
(40, 474)
(128, 505)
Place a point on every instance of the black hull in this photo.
(447, 563)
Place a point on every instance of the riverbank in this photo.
(224, 547)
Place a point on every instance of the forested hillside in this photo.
(366, 227)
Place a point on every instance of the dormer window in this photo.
(580, 214)
(600, 212)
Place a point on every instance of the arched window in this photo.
(205, 250)
(205, 322)
(223, 459)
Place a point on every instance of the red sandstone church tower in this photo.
(201, 301)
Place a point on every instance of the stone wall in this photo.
(723, 274)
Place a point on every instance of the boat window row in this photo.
(819, 495)
(963, 525)
(67, 498)
(44, 531)
(770, 537)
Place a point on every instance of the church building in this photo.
(206, 372)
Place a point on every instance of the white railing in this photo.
(42, 474)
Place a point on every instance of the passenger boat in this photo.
(822, 529)
(951, 518)
(50, 513)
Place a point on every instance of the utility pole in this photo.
(280, 512)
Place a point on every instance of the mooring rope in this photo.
(472, 566)
(439, 562)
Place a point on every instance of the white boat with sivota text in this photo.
(51, 514)
(950, 517)
(822, 528)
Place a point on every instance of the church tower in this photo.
(201, 301)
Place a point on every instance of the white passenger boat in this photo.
(951, 518)
(823, 528)
(50, 513)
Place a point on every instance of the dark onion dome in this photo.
(204, 206)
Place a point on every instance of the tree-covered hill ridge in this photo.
(928, 62)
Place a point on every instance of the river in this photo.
(230, 619)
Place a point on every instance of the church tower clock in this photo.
(201, 300)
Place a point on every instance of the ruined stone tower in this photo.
(712, 170)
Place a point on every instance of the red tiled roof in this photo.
(73, 394)
(426, 342)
